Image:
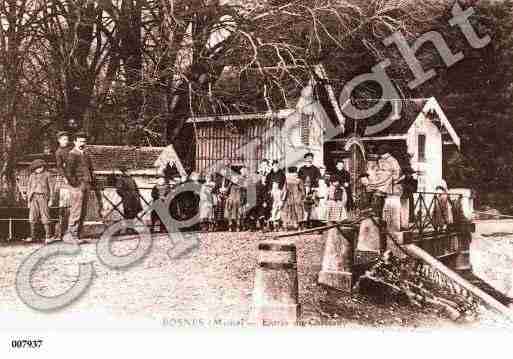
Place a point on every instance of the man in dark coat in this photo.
(309, 175)
(308, 172)
(127, 189)
(344, 179)
(80, 176)
(275, 175)
(61, 187)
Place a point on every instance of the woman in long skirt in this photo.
(294, 195)
(206, 206)
(233, 206)
(222, 186)
(337, 201)
(321, 213)
(277, 198)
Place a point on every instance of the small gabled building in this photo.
(417, 130)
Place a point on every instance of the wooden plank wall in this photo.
(219, 141)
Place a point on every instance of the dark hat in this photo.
(36, 164)
(275, 162)
(62, 133)
(308, 154)
(292, 169)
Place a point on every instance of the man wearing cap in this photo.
(61, 186)
(310, 175)
(80, 176)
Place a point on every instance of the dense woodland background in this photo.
(131, 71)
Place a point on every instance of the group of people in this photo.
(228, 198)
(271, 199)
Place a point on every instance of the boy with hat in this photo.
(39, 194)
(61, 186)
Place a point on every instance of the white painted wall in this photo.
(291, 135)
(432, 166)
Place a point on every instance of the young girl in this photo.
(206, 206)
(337, 200)
(293, 197)
(277, 198)
(233, 207)
(222, 184)
(322, 197)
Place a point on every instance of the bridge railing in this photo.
(436, 211)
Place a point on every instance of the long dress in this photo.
(220, 191)
(293, 208)
(321, 211)
(233, 204)
(277, 198)
(442, 211)
(337, 201)
(129, 193)
(344, 179)
(206, 210)
(262, 208)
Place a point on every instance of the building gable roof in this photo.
(397, 116)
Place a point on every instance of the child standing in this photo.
(222, 184)
(206, 210)
(322, 197)
(293, 195)
(277, 198)
(276, 182)
(234, 204)
(337, 200)
(39, 194)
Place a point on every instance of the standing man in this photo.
(308, 170)
(344, 179)
(127, 189)
(309, 175)
(80, 176)
(62, 187)
(390, 169)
